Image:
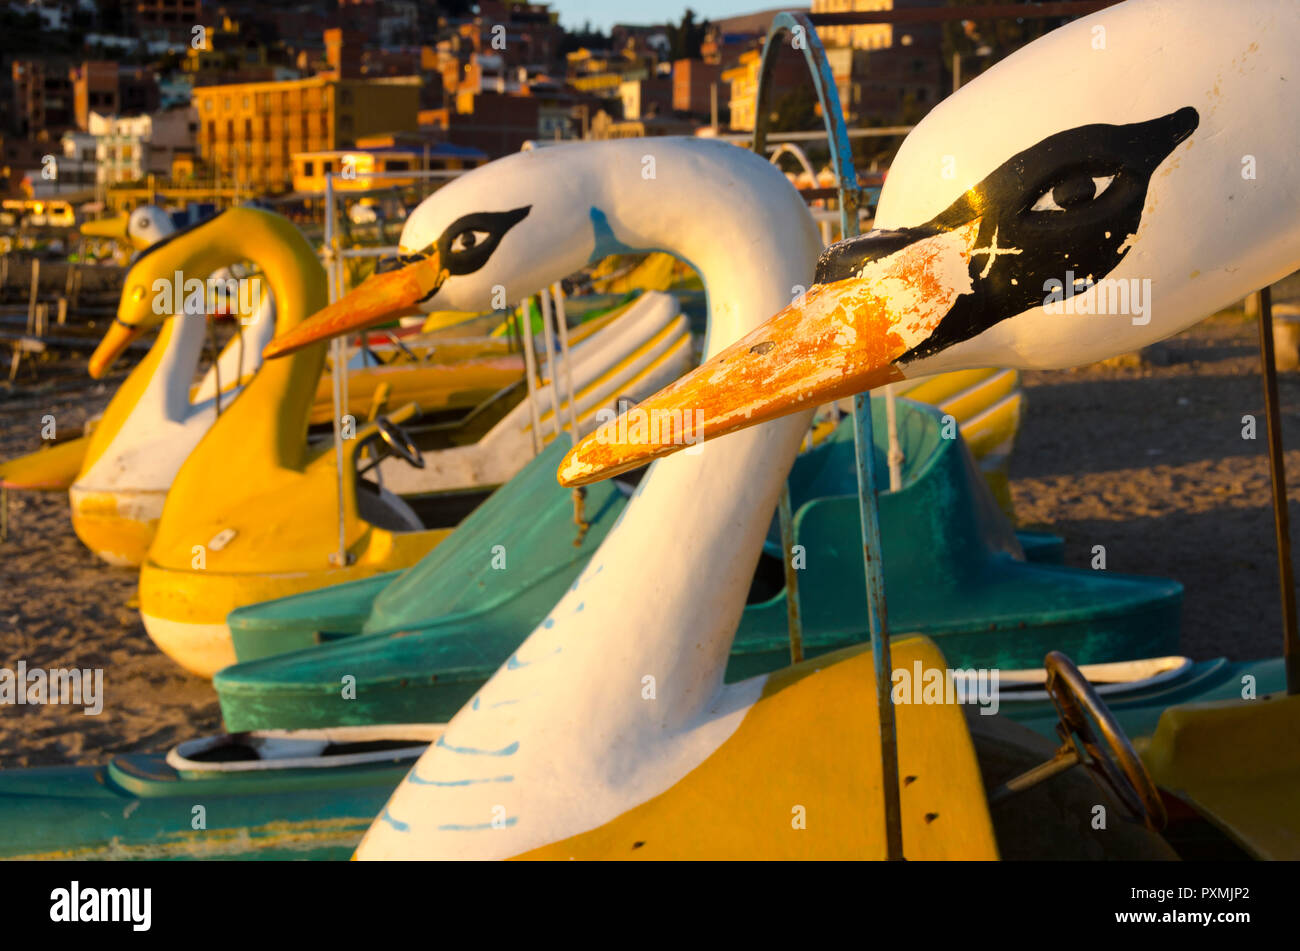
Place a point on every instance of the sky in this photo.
(605, 13)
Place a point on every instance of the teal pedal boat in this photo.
(276, 795)
(1138, 692)
(414, 646)
(312, 794)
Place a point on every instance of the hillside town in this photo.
(222, 102)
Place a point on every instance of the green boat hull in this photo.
(138, 807)
(413, 647)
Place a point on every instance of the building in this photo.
(788, 74)
(172, 20)
(873, 36)
(71, 173)
(22, 158)
(94, 89)
(605, 126)
(173, 142)
(694, 85)
(249, 132)
(42, 97)
(121, 147)
(643, 98)
(109, 89)
(498, 125)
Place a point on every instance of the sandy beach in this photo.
(1144, 457)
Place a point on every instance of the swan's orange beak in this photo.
(838, 339)
(119, 337)
(378, 299)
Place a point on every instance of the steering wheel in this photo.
(394, 441)
(1112, 762)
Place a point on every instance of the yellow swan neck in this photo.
(265, 427)
(125, 400)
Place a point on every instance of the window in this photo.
(309, 168)
(246, 103)
(396, 165)
(226, 104)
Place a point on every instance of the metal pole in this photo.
(884, 665)
(863, 438)
(340, 557)
(895, 450)
(793, 617)
(580, 492)
(547, 330)
(341, 371)
(530, 368)
(1281, 517)
(561, 321)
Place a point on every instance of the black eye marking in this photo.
(1073, 191)
(469, 241)
(1068, 203)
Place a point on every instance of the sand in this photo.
(1144, 458)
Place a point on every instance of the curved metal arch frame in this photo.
(804, 37)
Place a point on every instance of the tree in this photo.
(686, 39)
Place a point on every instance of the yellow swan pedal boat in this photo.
(119, 476)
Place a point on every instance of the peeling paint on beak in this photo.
(838, 339)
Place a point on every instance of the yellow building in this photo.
(249, 132)
(873, 36)
(744, 89)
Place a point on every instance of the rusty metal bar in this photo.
(793, 617)
(1281, 517)
(804, 37)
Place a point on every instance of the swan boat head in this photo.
(483, 242)
(145, 226)
(149, 292)
(1108, 186)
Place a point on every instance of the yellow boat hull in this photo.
(184, 610)
(119, 526)
(48, 469)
